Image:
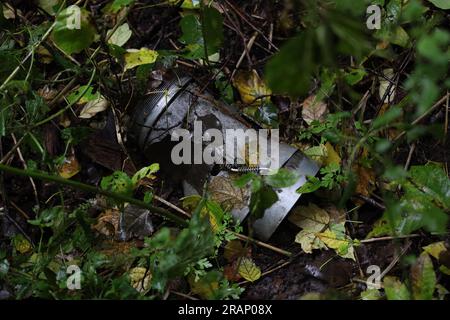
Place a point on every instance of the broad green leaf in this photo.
(423, 278)
(212, 25)
(120, 36)
(395, 290)
(249, 270)
(282, 178)
(290, 70)
(191, 29)
(262, 199)
(441, 4)
(134, 57)
(73, 31)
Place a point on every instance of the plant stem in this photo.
(88, 188)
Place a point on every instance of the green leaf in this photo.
(290, 70)
(88, 95)
(282, 178)
(249, 270)
(311, 185)
(134, 57)
(117, 5)
(267, 114)
(212, 25)
(262, 199)
(432, 180)
(441, 4)
(191, 30)
(423, 278)
(355, 75)
(395, 290)
(117, 182)
(146, 172)
(386, 118)
(73, 31)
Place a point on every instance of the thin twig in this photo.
(414, 235)
(425, 114)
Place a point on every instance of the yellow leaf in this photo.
(311, 218)
(249, 270)
(343, 247)
(309, 241)
(140, 278)
(134, 57)
(233, 250)
(332, 156)
(435, 249)
(69, 168)
(21, 244)
(205, 289)
(251, 87)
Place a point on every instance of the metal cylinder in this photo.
(180, 104)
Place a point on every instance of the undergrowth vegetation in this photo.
(83, 217)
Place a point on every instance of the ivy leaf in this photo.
(73, 31)
(249, 270)
(395, 290)
(423, 278)
(283, 178)
(134, 57)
